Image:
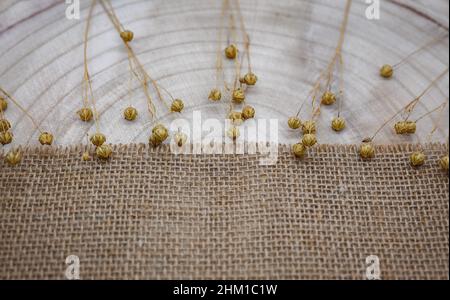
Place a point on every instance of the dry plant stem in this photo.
(437, 124)
(423, 47)
(138, 70)
(87, 78)
(219, 61)
(410, 107)
(328, 72)
(440, 107)
(233, 33)
(341, 85)
(36, 125)
(245, 36)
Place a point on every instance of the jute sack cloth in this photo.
(150, 214)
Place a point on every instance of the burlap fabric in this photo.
(152, 215)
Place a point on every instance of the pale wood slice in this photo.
(41, 63)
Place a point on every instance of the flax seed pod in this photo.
(294, 123)
(386, 71)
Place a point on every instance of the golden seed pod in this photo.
(248, 112)
(177, 105)
(309, 127)
(400, 127)
(443, 162)
(85, 114)
(180, 139)
(411, 127)
(367, 150)
(242, 80)
(417, 159)
(299, 150)
(159, 135)
(338, 124)
(86, 156)
(250, 79)
(238, 96)
(3, 104)
(13, 157)
(215, 95)
(405, 127)
(46, 138)
(4, 125)
(234, 132)
(387, 71)
(328, 98)
(130, 113)
(231, 51)
(309, 140)
(6, 138)
(127, 36)
(294, 123)
(98, 139)
(236, 117)
(104, 151)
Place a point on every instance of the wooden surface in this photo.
(41, 63)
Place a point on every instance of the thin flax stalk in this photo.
(141, 75)
(423, 47)
(246, 36)
(36, 125)
(87, 78)
(412, 105)
(219, 60)
(327, 74)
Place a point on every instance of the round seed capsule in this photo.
(215, 95)
(338, 124)
(417, 159)
(127, 36)
(231, 51)
(309, 127)
(177, 105)
(328, 98)
(367, 150)
(98, 139)
(4, 125)
(104, 152)
(250, 79)
(85, 114)
(6, 138)
(411, 127)
(294, 123)
(130, 113)
(13, 157)
(299, 150)
(386, 71)
(238, 96)
(159, 135)
(309, 140)
(46, 138)
(248, 112)
(400, 127)
(443, 162)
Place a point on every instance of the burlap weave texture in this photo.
(149, 214)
